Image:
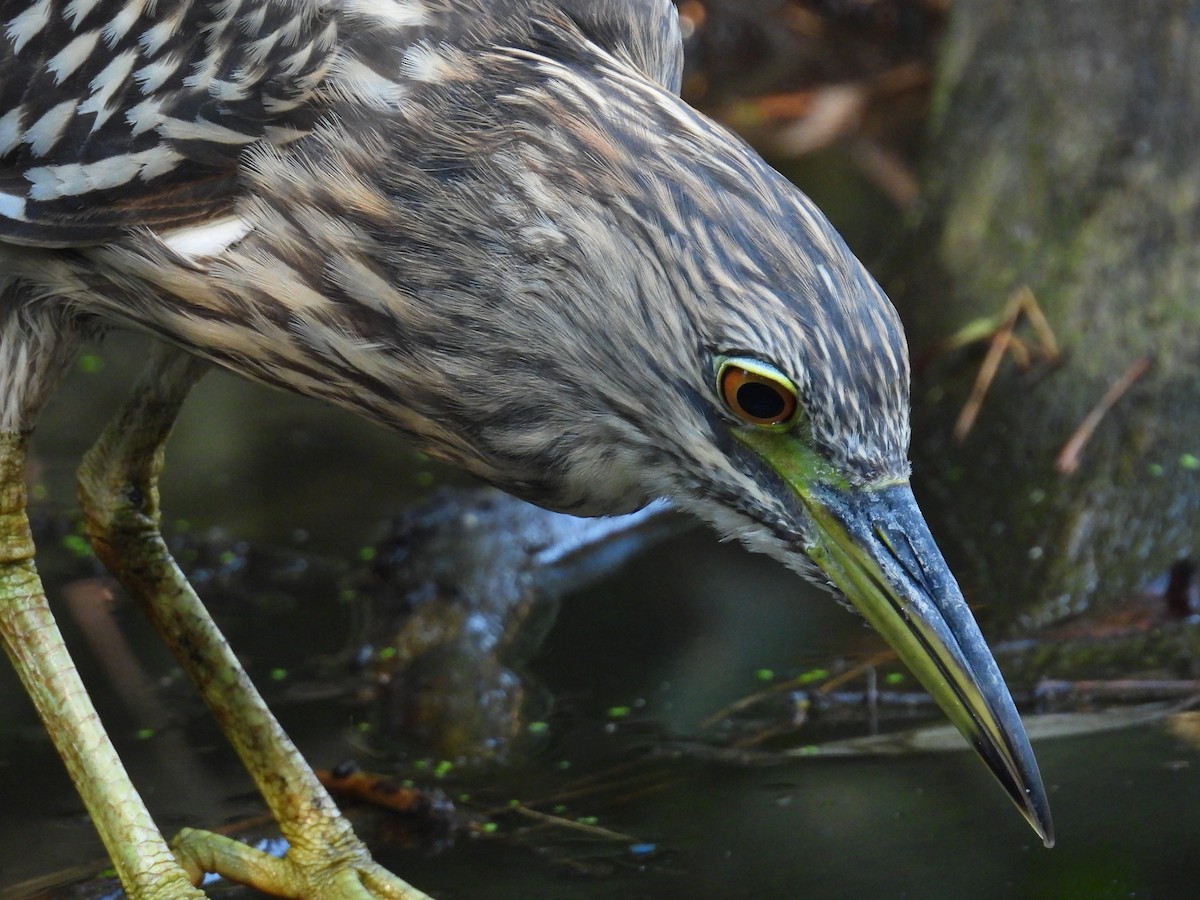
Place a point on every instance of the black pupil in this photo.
(760, 401)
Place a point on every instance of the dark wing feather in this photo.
(123, 113)
(117, 114)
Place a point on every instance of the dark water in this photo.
(676, 635)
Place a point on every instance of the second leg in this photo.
(119, 493)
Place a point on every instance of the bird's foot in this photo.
(321, 872)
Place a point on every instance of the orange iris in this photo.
(756, 398)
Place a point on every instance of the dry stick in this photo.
(991, 364)
(655, 788)
(604, 777)
(871, 662)
(605, 781)
(792, 105)
(750, 700)
(1067, 461)
(758, 738)
(558, 821)
(827, 687)
(1020, 353)
(91, 605)
(1041, 326)
(866, 667)
(795, 683)
(887, 171)
(1004, 340)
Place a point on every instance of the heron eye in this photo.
(756, 393)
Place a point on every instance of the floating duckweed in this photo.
(39, 492)
(893, 678)
(442, 769)
(559, 808)
(464, 798)
(514, 804)
(489, 827)
(226, 557)
(563, 765)
(1037, 495)
(813, 675)
(538, 727)
(764, 674)
(77, 545)
(347, 595)
(90, 362)
(424, 479)
(362, 727)
(587, 820)
(809, 750)
(421, 765)
(279, 674)
(408, 783)
(144, 734)
(618, 712)
(1155, 470)
(366, 554)
(386, 653)
(1189, 461)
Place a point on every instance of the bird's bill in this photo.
(873, 544)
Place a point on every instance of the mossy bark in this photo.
(1065, 156)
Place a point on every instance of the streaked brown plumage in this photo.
(494, 227)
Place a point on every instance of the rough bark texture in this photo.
(1065, 156)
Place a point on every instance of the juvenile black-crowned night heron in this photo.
(493, 226)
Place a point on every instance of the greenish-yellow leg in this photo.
(118, 489)
(37, 344)
(35, 646)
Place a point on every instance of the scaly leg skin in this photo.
(31, 637)
(119, 493)
(37, 343)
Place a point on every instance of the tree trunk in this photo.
(1065, 157)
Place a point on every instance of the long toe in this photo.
(323, 872)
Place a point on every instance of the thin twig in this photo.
(591, 830)
(645, 791)
(794, 684)
(605, 782)
(987, 371)
(1041, 325)
(1067, 461)
(888, 171)
(871, 662)
(1004, 340)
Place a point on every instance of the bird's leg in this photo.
(119, 493)
(36, 349)
(31, 637)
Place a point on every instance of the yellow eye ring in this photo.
(755, 392)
